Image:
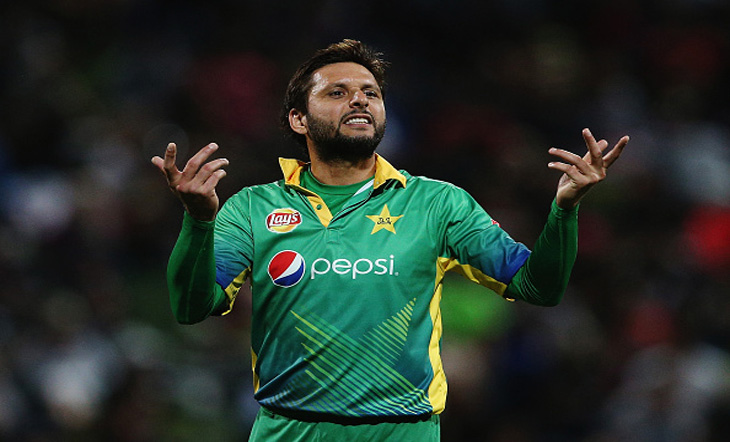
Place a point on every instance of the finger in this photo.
(159, 163)
(562, 167)
(167, 165)
(194, 163)
(573, 172)
(207, 170)
(616, 151)
(602, 145)
(594, 147)
(572, 159)
(212, 181)
(170, 156)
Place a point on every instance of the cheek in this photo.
(323, 112)
(379, 114)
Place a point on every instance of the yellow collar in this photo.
(292, 170)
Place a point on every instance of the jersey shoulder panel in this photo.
(427, 184)
(447, 201)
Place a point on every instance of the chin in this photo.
(345, 148)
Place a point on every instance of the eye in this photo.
(371, 94)
(336, 93)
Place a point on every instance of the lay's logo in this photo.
(283, 220)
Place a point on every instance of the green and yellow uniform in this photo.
(346, 285)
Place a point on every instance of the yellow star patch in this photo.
(384, 221)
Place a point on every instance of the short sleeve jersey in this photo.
(346, 318)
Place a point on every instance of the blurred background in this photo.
(90, 90)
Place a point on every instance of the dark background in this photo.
(479, 90)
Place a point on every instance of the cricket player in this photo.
(346, 257)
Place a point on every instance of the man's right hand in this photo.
(195, 184)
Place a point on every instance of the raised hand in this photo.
(195, 184)
(581, 174)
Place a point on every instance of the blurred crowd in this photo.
(90, 90)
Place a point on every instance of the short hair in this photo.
(301, 82)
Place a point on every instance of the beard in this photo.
(331, 145)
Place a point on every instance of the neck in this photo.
(342, 173)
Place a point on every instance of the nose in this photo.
(359, 99)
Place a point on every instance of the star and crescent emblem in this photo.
(384, 221)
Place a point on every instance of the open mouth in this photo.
(358, 120)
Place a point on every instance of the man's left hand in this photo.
(581, 174)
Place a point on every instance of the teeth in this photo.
(357, 121)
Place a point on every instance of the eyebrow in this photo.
(366, 85)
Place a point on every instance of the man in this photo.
(346, 257)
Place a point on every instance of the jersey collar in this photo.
(384, 172)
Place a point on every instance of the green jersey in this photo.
(346, 317)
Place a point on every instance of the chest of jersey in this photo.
(375, 255)
(383, 236)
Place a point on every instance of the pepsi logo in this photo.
(283, 220)
(286, 268)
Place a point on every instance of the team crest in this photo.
(283, 220)
(384, 221)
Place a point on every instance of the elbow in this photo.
(552, 299)
(185, 318)
(187, 321)
(552, 302)
(190, 306)
(545, 299)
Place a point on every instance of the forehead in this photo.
(345, 73)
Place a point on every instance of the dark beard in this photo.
(332, 147)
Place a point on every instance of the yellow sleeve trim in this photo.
(438, 388)
(473, 274)
(234, 287)
(256, 380)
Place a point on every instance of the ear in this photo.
(298, 122)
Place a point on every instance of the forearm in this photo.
(544, 277)
(194, 294)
